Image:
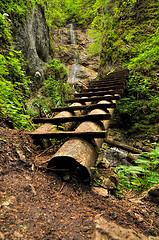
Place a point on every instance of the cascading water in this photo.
(74, 71)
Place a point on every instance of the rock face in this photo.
(105, 230)
(34, 42)
(66, 50)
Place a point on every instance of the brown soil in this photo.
(37, 204)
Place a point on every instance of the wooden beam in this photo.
(98, 93)
(84, 107)
(107, 81)
(105, 84)
(93, 99)
(81, 118)
(64, 134)
(102, 88)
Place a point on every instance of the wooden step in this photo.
(85, 107)
(81, 118)
(92, 99)
(106, 84)
(98, 93)
(64, 134)
(109, 80)
(102, 89)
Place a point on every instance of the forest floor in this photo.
(38, 204)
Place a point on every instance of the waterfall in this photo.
(75, 70)
(72, 34)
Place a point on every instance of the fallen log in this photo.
(80, 154)
(122, 146)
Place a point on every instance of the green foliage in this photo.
(14, 86)
(5, 30)
(131, 40)
(13, 81)
(16, 10)
(142, 176)
(54, 91)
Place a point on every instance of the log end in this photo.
(66, 164)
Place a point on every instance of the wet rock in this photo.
(105, 230)
(101, 191)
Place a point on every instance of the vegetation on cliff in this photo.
(131, 40)
(14, 83)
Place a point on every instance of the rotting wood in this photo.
(80, 118)
(84, 107)
(93, 99)
(64, 134)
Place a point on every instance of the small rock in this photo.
(9, 200)
(101, 191)
(17, 234)
(138, 217)
(21, 155)
(107, 183)
(1, 235)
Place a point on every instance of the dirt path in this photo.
(36, 204)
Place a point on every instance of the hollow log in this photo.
(81, 154)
